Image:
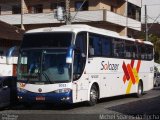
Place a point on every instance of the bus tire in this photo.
(93, 95)
(139, 90)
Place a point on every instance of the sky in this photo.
(153, 10)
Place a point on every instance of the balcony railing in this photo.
(82, 16)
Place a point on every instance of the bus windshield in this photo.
(44, 66)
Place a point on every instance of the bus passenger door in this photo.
(80, 82)
(80, 78)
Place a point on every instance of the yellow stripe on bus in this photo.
(129, 87)
(136, 75)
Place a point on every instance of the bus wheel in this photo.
(93, 96)
(139, 90)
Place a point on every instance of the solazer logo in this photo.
(108, 66)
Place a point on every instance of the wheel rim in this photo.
(93, 95)
(140, 89)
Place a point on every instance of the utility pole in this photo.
(22, 13)
(146, 23)
(68, 16)
(126, 14)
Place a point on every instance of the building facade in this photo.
(9, 36)
(122, 16)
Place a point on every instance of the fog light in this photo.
(19, 97)
(65, 99)
(68, 98)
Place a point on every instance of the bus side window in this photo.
(135, 51)
(91, 50)
(149, 50)
(142, 51)
(91, 47)
(130, 50)
(95, 45)
(118, 48)
(106, 47)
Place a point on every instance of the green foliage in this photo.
(156, 41)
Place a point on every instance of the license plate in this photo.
(40, 98)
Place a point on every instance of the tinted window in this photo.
(145, 52)
(16, 9)
(142, 52)
(134, 12)
(106, 46)
(130, 50)
(79, 6)
(47, 40)
(118, 48)
(149, 50)
(35, 8)
(95, 45)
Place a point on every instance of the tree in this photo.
(156, 41)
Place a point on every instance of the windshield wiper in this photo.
(46, 77)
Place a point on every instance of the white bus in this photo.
(77, 63)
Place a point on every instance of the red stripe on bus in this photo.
(131, 74)
(132, 63)
(138, 65)
(125, 72)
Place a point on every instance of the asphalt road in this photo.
(121, 107)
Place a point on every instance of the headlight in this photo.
(64, 90)
(21, 90)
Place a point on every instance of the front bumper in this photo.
(57, 98)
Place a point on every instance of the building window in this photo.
(16, 9)
(134, 12)
(113, 9)
(54, 6)
(78, 4)
(36, 9)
